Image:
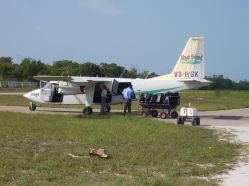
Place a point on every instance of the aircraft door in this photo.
(46, 91)
(115, 84)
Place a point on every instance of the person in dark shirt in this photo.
(103, 99)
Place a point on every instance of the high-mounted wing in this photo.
(77, 80)
(90, 79)
(52, 78)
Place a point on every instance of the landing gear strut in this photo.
(87, 111)
(32, 106)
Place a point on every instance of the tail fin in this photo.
(190, 64)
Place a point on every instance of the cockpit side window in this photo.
(47, 86)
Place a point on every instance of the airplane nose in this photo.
(27, 95)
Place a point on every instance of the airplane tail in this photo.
(190, 65)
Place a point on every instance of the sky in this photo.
(145, 34)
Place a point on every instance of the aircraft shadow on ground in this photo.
(97, 115)
(228, 117)
(62, 111)
(223, 117)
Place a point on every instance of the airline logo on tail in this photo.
(192, 59)
(190, 64)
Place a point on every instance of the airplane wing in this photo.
(73, 79)
(91, 79)
(52, 78)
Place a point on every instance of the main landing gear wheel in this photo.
(107, 108)
(87, 111)
(32, 106)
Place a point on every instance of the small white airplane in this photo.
(187, 74)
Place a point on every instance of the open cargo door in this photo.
(118, 87)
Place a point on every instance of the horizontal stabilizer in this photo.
(196, 80)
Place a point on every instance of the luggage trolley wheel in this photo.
(154, 113)
(195, 121)
(163, 115)
(144, 114)
(174, 114)
(180, 120)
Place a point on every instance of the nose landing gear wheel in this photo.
(87, 111)
(32, 106)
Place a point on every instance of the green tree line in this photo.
(31, 67)
(221, 83)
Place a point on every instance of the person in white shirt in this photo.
(60, 90)
(128, 94)
(103, 99)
